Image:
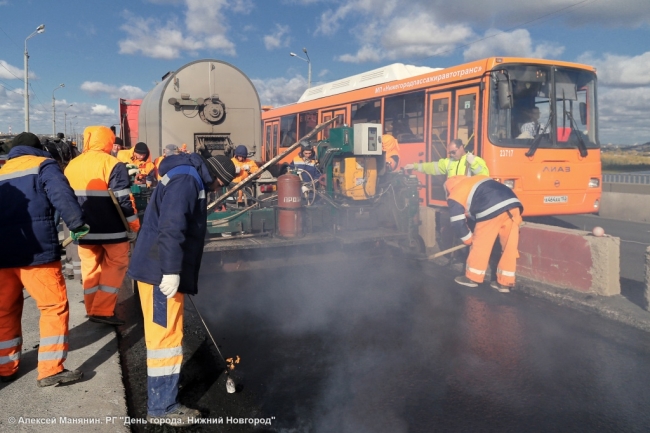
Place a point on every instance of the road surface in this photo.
(385, 345)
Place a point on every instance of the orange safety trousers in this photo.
(46, 286)
(485, 234)
(163, 335)
(103, 268)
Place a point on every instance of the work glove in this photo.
(237, 169)
(246, 167)
(169, 285)
(470, 158)
(79, 232)
(132, 236)
(132, 169)
(409, 167)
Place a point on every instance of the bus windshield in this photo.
(543, 107)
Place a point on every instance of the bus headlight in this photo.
(596, 204)
(510, 183)
(594, 182)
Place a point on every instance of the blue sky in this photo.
(103, 50)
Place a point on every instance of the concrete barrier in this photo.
(647, 278)
(572, 259)
(625, 207)
(625, 202)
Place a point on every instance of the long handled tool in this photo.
(447, 251)
(230, 384)
(269, 163)
(119, 210)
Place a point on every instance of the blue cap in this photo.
(241, 150)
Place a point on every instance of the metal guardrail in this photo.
(627, 178)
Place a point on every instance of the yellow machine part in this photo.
(355, 177)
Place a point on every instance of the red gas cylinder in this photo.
(289, 206)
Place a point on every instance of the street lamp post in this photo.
(71, 119)
(308, 60)
(39, 29)
(54, 111)
(65, 120)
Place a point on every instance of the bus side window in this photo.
(404, 117)
(308, 121)
(466, 120)
(366, 112)
(268, 147)
(288, 130)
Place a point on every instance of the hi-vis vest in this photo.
(90, 175)
(452, 167)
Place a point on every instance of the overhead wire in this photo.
(8, 70)
(11, 90)
(9, 37)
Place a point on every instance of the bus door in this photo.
(467, 118)
(439, 121)
(271, 132)
(327, 115)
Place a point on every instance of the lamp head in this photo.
(304, 50)
(40, 29)
(61, 85)
(292, 54)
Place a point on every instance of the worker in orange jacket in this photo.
(390, 147)
(244, 167)
(140, 156)
(32, 186)
(104, 252)
(170, 149)
(497, 212)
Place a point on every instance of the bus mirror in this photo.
(504, 90)
(583, 113)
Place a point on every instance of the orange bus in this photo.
(554, 170)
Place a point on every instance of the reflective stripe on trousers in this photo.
(103, 268)
(163, 333)
(46, 286)
(506, 227)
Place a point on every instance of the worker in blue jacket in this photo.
(32, 187)
(165, 264)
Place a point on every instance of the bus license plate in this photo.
(556, 199)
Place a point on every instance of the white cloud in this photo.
(414, 35)
(205, 27)
(242, 6)
(278, 38)
(152, 39)
(388, 30)
(623, 96)
(102, 110)
(206, 19)
(367, 53)
(280, 91)
(114, 92)
(627, 13)
(9, 72)
(620, 71)
(78, 116)
(516, 43)
(329, 20)
(623, 115)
